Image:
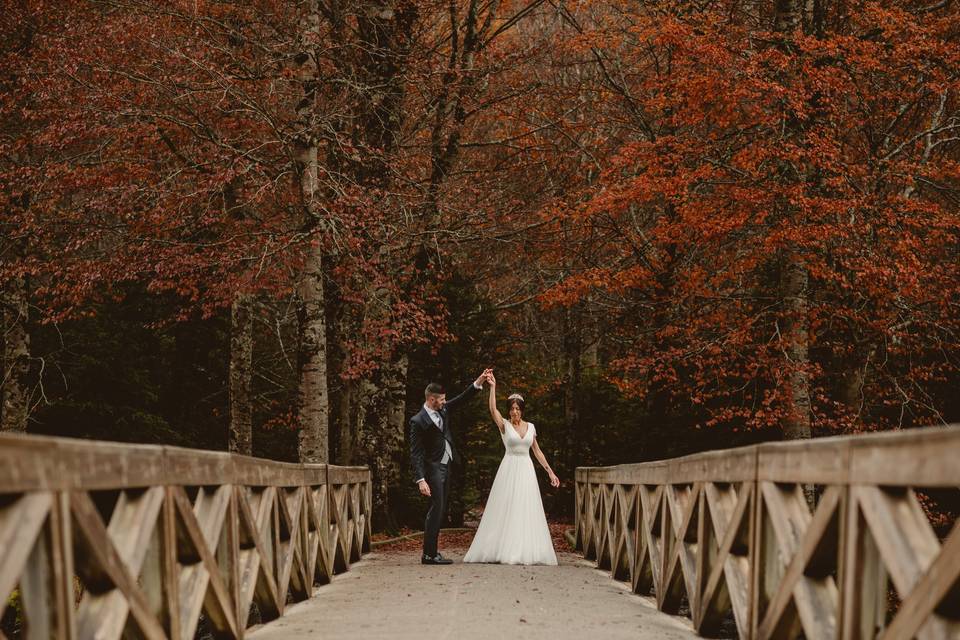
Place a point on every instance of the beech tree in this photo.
(766, 201)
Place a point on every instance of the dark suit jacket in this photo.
(426, 440)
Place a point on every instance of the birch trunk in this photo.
(313, 397)
(16, 359)
(240, 438)
(796, 338)
(313, 400)
(794, 278)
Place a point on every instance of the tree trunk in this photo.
(16, 359)
(794, 277)
(787, 15)
(796, 339)
(240, 438)
(313, 397)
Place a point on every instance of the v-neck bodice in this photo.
(514, 442)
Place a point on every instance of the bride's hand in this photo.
(554, 481)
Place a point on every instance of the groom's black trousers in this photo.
(438, 477)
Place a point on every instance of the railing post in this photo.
(823, 571)
(181, 524)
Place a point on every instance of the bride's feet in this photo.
(437, 559)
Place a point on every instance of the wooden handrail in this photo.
(732, 533)
(102, 539)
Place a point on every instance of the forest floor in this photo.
(458, 540)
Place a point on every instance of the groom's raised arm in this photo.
(469, 392)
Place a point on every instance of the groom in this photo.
(431, 452)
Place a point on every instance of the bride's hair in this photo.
(516, 399)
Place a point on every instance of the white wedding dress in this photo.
(513, 528)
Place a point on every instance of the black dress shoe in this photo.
(437, 559)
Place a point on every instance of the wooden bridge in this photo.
(103, 540)
(731, 533)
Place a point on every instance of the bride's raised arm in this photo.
(494, 413)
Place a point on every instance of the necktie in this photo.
(447, 451)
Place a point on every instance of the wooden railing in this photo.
(103, 540)
(731, 532)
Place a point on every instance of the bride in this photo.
(513, 528)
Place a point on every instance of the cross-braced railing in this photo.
(732, 532)
(103, 540)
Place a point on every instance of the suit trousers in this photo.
(438, 478)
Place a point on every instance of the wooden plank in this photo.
(917, 457)
(925, 457)
(644, 473)
(602, 520)
(368, 514)
(142, 536)
(652, 503)
(210, 510)
(683, 506)
(591, 495)
(38, 592)
(256, 472)
(767, 566)
(726, 523)
(63, 567)
(314, 474)
(100, 553)
(31, 463)
(818, 461)
(863, 579)
(201, 582)
(936, 582)
(289, 515)
(902, 533)
(729, 465)
(189, 467)
(130, 530)
(132, 523)
(170, 566)
(816, 600)
(578, 513)
(20, 527)
(256, 566)
(642, 578)
(704, 559)
(228, 557)
(623, 550)
(341, 526)
(347, 475)
(306, 551)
